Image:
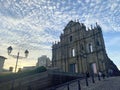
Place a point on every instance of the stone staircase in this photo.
(32, 82)
(40, 81)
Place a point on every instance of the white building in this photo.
(2, 60)
(44, 61)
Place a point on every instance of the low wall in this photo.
(40, 81)
(33, 82)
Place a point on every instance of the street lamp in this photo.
(17, 56)
(9, 50)
(26, 53)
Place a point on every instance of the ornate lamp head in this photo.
(9, 50)
(26, 53)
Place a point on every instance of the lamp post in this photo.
(17, 56)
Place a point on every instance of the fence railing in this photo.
(67, 85)
(76, 84)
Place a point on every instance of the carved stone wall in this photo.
(80, 50)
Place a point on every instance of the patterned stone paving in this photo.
(111, 83)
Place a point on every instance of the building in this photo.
(2, 60)
(44, 61)
(80, 50)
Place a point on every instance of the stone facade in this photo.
(80, 50)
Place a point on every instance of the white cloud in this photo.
(25, 23)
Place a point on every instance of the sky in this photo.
(36, 24)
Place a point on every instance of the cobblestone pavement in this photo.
(111, 83)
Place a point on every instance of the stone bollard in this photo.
(86, 79)
(79, 87)
(99, 77)
(68, 86)
(103, 75)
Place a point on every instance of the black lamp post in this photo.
(9, 53)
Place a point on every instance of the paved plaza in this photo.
(111, 83)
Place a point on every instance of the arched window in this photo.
(90, 47)
(73, 52)
(98, 43)
(70, 30)
(81, 47)
(70, 38)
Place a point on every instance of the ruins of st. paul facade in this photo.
(80, 49)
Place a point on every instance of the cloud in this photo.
(35, 24)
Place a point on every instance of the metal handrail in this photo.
(65, 84)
